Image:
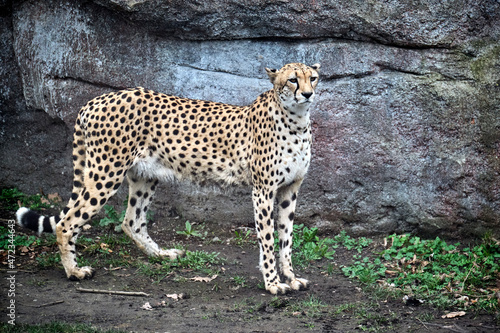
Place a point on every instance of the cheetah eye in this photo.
(293, 80)
(313, 79)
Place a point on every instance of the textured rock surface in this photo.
(406, 126)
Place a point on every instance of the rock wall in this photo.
(406, 124)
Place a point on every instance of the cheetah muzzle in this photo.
(148, 136)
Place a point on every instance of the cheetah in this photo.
(148, 137)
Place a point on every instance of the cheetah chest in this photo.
(296, 157)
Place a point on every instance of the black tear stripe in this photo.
(298, 86)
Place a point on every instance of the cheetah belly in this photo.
(152, 168)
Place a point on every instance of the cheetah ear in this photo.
(272, 73)
(316, 67)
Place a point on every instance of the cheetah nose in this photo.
(307, 94)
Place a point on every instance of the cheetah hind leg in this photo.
(141, 193)
(68, 229)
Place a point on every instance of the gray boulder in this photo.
(406, 124)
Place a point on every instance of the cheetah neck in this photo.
(296, 120)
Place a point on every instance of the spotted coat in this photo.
(149, 137)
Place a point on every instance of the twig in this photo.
(427, 328)
(17, 270)
(467, 276)
(113, 292)
(46, 304)
(454, 328)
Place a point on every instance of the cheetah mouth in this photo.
(304, 101)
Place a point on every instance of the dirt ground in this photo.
(45, 295)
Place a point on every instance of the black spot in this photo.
(133, 201)
(93, 202)
(285, 204)
(85, 216)
(291, 216)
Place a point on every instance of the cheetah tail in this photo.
(30, 219)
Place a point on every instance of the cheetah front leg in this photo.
(287, 199)
(264, 223)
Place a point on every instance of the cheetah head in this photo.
(294, 85)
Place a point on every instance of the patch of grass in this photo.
(198, 261)
(48, 260)
(54, 327)
(311, 307)
(347, 307)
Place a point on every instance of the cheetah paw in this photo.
(172, 253)
(298, 283)
(80, 273)
(278, 288)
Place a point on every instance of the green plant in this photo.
(241, 237)
(112, 217)
(351, 243)
(16, 240)
(442, 274)
(366, 270)
(189, 231)
(239, 281)
(10, 198)
(48, 260)
(307, 246)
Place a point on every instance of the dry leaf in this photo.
(203, 279)
(454, 314)
(175, 297)
(54, 197)
(147, 306)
